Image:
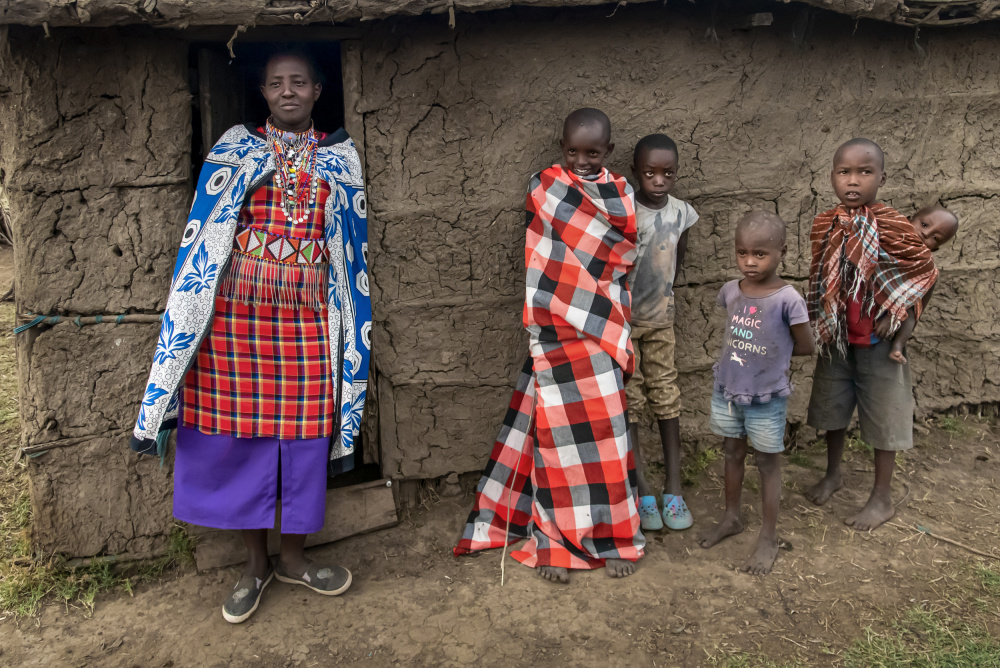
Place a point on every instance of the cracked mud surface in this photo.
(455, 121)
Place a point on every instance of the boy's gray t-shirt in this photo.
(652, 280)
(757, 349)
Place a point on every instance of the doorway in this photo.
(224, 80)
(225, 88)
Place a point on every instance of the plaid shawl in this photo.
(561, 472)
(872, 252)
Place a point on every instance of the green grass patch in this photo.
(989, 579)
(951, 424)
(25, 584)
(925, 638)
(801, 458)
(855, 444)
(695, 465)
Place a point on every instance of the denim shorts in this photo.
(762, 423)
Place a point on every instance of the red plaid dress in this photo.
(264, 370)
(561, 473)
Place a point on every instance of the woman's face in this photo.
(291, 91)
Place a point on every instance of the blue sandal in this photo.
(649, 514)
(676, 515)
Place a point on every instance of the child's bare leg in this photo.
(879, 508)
(763, 556)
(554, 574)
(256, 544)
(821, 492)
(731, 524)
(670, 437)
(640, 466)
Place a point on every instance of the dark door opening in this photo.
(226, 89)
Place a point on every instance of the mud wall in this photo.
(455, 121)
(96, 184)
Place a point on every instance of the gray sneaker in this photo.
(245, 598)
(326, 580)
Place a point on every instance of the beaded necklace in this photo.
(295, 170)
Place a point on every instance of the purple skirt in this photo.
(226, 482)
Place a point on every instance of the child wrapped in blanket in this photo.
(561, 472)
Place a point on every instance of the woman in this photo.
(265, 341)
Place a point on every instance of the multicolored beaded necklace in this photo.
(295, 170)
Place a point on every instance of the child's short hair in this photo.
(588, 116)
(865, 142)
(763, 221)
(652, 142)
(937, 206)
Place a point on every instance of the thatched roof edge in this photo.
(184, 13)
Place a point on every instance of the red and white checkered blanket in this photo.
(561, 473)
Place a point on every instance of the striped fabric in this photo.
(561, 473)
(263, 369)
(871, 254)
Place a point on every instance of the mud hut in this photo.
(107, 108)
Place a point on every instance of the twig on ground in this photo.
(925, 530)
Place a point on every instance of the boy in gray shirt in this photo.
(663, 222)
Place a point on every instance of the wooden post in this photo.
(354, 122)
(220, 93)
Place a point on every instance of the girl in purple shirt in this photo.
(766, 324)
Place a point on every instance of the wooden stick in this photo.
(96, 319)
(925, 530)
(68, 442)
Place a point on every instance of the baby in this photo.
(766, 324)
(936, 226)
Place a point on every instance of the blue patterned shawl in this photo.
(237, 165)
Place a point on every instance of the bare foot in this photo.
(762, 559)
(554, 574)
(729, 526)
(619, 568)
(821, 492)
(876, 512)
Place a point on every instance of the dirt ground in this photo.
(414, 604)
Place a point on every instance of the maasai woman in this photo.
(265, 341)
